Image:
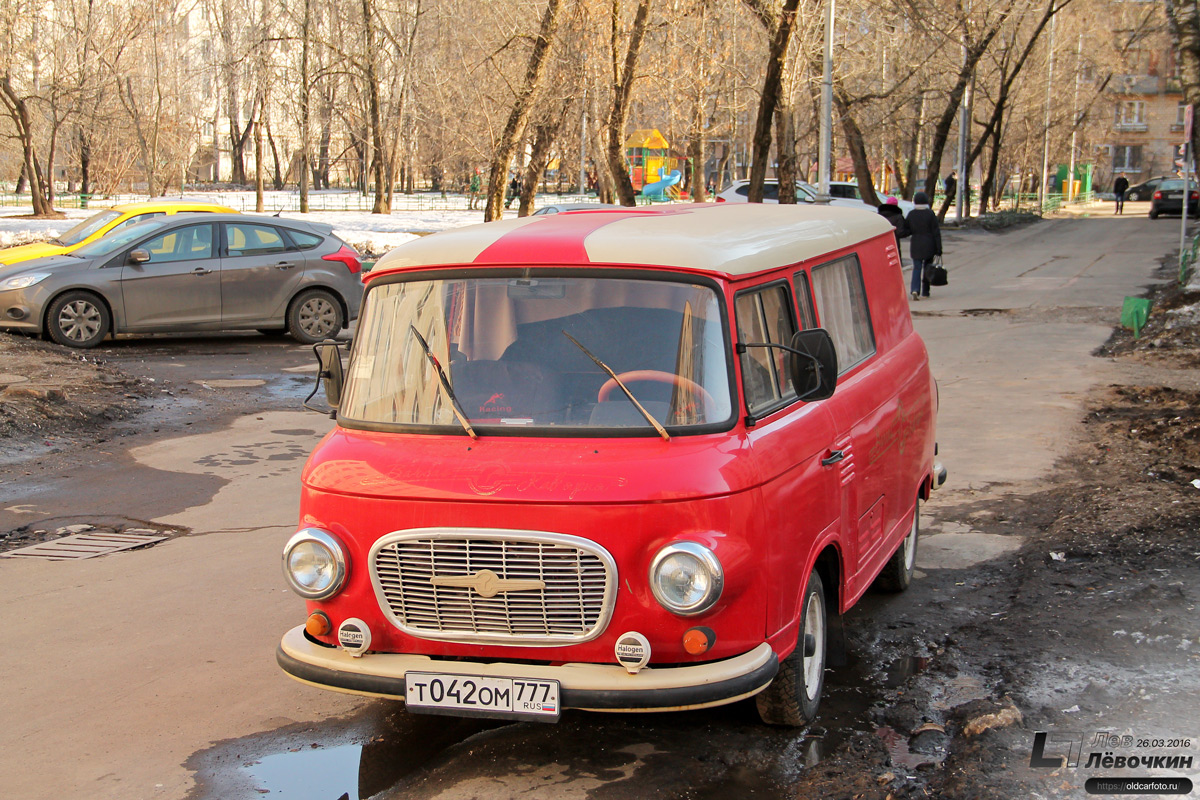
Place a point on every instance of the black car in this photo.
(1168, 198)
(1145, 190)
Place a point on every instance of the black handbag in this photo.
(937, 273)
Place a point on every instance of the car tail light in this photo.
(1193, 195)
(720, 199)
(1158, 195)
(347, 256)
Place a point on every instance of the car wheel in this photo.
(314, 316)
(78, 319)
(1153, 213)
(1133, 196)
(896, 575)
(793, 696)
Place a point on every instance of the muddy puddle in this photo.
(726, 751)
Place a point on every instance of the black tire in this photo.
(78, 319)
(897, 573)
(793, 697)
(314, 316)
(1153, 212)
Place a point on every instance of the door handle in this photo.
(833, 457)
(201, 271)
(285, 265)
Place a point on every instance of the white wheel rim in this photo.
(814, 625)
(910, 547)
(317, 317)
(79, 321)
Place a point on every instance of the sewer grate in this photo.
(84, 545)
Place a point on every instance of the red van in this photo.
(614, 460)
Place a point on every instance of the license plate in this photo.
(481, 696)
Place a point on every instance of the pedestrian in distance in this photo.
(476, 186)
(1120, 187)
(924, 245)
(890, 210)
(951, 187)
(514, 190)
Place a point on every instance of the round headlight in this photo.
(686, 578)
(314, 563)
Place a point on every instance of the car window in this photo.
(86, 228)
(114, 241)
(253, 240)
(305, 241)
(842, 304)
(181, 244)
(1170, 185)
(804, 301)
(763, 315)
(134, 220)
(770, 191)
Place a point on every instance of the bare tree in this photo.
(514, 129)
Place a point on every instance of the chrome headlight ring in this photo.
(686, 578)
(315, 564)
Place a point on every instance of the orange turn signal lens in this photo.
(318, 624)
(698, 640)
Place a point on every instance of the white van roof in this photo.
(733, 239)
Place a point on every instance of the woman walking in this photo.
(925, 244)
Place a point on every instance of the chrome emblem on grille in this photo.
(487, 583)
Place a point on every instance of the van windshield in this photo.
(503, 344)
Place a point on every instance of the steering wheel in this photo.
(658, 376)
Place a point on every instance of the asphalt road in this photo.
(137, 674)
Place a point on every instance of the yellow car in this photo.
(104, 223)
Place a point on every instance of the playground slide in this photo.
(657, 188)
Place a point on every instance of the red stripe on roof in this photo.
(554, 239)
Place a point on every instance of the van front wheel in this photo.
(792, 698)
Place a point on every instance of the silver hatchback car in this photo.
(189, 272)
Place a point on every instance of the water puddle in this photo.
(342, 760)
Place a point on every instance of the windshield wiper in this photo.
(454, 405)
(649, 417)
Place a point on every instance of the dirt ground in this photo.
(53, 397)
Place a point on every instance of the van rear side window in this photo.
(842, 304)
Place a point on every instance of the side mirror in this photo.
(329, 354)
(139, 256)
(813, 365)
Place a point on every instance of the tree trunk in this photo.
(622, 92)
(258, 164)
(305, 46)
(772, 85)
(85, 162)
(785, 151)
(543, 141)
(18, 111)
(1183, 21)
(278, 180)
(515, 127)
(857, 147)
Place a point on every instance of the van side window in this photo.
(804, 301)
(842, 303)
(764, 316)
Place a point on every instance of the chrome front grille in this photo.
(496, 586)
